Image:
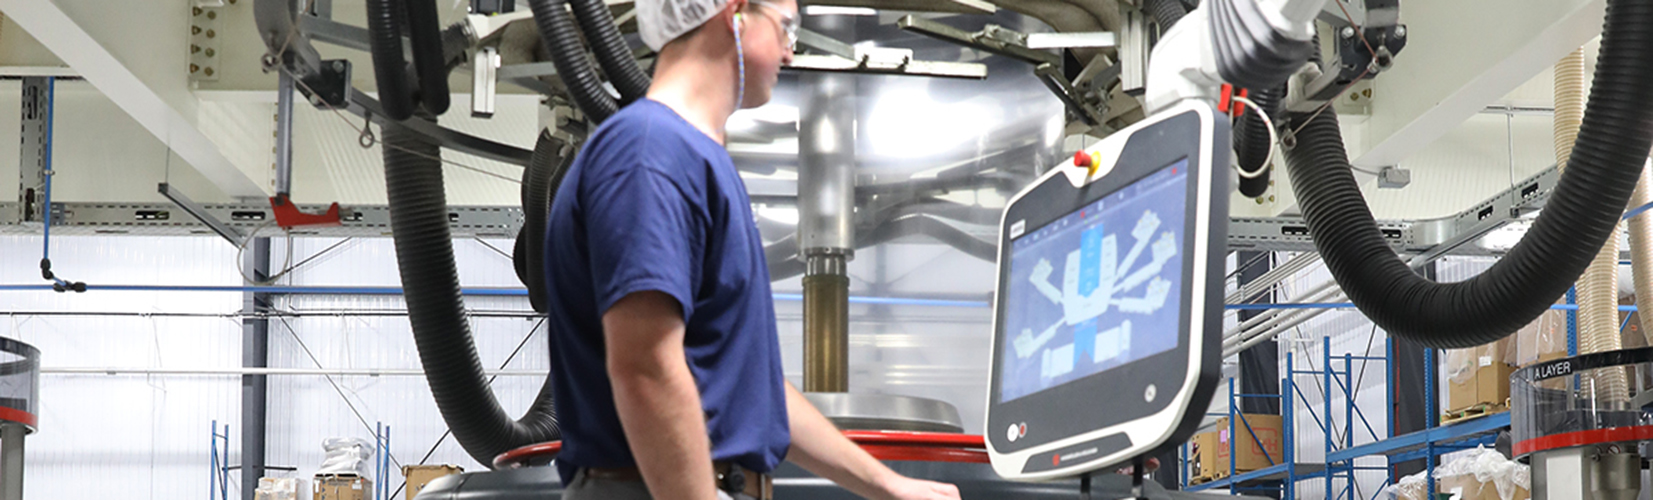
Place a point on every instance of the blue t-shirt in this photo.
(653, 204)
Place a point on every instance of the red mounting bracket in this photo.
(287, 214)
(1227, 104)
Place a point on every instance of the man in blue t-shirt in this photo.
(668, 374)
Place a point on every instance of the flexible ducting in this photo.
(539, 184)
(430, 282)
(1165, 12)
(1598, 287)
(384, 27)
(1612, 144)
(1641, 252)
(611, 50)
(425, 33)
(562, 39)
(1251, 141)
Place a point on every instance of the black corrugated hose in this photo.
(1588, 201)
(1165, 12)
(612, 52)
(384, 26)
(556, 27)
(1251, 140)
(539, 184)
(425, 32)
(430, 282)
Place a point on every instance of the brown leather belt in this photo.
(730, 478)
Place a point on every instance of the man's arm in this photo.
(821, 448)
(656, 396)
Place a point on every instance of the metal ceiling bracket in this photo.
(33, 151)
(484, 82)
(823, 43)
(1009, 43)
(994, 39)
(200, 213)
(1133, 53)
(875, 66)
(329, 86)
(1052, 77)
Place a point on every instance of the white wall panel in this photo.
(125, 436)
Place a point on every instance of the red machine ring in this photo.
(884, 445)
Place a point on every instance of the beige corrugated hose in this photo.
(1598, 287)
(1641, 252)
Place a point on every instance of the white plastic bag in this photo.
(277, 488)
(1413, 487)
(1486, 466)
(345, 456)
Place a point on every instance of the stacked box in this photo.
(1209, 451)
(342, 487)
(420, 475)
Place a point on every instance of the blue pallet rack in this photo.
(1337, 374)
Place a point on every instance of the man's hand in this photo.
(899, 487)
(819, 447)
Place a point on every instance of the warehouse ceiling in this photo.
(213, 132)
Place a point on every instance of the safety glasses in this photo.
(787, 21)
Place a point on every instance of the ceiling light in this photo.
(833, 10)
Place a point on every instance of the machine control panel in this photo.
(1107, 320)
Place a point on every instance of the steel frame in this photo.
(1337, 374)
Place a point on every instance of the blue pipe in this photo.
(46, 245)
(491, 292)
(1636, 211)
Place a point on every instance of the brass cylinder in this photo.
(826, 333)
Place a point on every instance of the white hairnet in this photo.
(661, 21)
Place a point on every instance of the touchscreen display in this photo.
(1097, 288)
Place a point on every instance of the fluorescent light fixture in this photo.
(833, 10)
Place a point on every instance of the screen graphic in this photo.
(1097, 288)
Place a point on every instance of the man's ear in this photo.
(731, 12)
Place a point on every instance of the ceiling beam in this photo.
(55, 29)
(1462, 55)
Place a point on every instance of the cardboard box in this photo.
(1490, 384)
(1466, 487)
(420, 475)
(1202, 458)
(1542, 340)
(1210, 450)
(342, 487)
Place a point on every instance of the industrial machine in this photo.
(19, 407)
(1582, 422)
(1148, 371)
